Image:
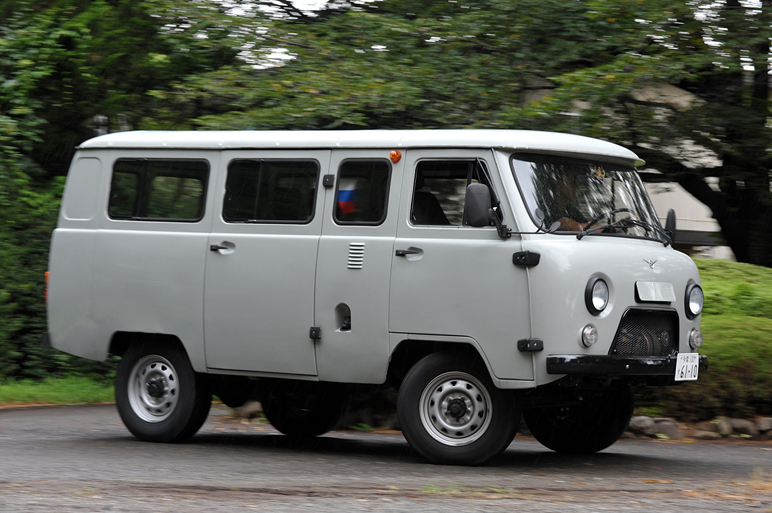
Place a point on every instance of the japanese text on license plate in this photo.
(687, 366)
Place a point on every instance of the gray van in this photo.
(488, 275)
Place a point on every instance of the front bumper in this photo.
(615, 366)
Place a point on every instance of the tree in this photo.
(61, 64)
(411, 64)
(718, 52)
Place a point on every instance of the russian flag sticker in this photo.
(347, 191)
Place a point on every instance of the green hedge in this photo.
(737, 328)
(738, 382)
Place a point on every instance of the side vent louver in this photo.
(356, 255)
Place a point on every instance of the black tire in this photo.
(303, 409)
(451, 413)
(588, 423)
(159, 396)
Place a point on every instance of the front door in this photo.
(452, 280)
(352, 280)
(261, 267)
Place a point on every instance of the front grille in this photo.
(646, 333)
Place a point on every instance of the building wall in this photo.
(691, 215)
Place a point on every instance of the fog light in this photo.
(589, 335)
(695, 339)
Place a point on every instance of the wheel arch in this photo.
(122, 340)
(410, 351)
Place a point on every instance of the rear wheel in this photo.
(159, 396)
(303, 409)
(586, 423)
(450, 411)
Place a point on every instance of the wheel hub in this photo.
(153, 388)
(156, 388)
(455, 408)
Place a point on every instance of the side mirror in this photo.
(670, 224)
(477, 205)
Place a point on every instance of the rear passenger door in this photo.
(352, 283)
(261, 265)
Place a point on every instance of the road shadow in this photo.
(522, 455)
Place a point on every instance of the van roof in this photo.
(517, 140)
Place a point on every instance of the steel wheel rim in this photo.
(153, 388)
(455, 409)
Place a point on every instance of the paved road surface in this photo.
(75, 459)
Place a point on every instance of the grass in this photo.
(736, 289)
(66, 390)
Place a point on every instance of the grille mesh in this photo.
(646, 333)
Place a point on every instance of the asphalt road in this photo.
(81, 458)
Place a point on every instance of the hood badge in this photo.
(650, 262)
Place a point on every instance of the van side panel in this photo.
(70, 306)
(70, 316)
(151, 282)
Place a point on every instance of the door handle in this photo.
(406, 252)
(217, 247)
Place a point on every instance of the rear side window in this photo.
(270, 191)
(363, 189)
(158, 189)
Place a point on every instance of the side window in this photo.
(363, 189)
(440, 189)
(158, 189)
(266, 191)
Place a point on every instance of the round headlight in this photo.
(694, 300)
(596, 296)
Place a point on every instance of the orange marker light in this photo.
(395, 156)
(46, 290)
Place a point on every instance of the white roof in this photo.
(517, 140)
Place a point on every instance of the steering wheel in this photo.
(609, 213)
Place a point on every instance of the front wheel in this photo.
(159, 396)
(451, 412)
(585, 423)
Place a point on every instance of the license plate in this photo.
(687, 366)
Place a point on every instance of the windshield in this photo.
(585, 195)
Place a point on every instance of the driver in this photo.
(565, 190)
(568, 200)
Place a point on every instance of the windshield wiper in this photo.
(631, 221)
(649, 226)
(594, 229)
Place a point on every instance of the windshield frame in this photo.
(644, 209)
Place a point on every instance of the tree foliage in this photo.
(669, 80)
(64, 65)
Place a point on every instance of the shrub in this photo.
(738, 381)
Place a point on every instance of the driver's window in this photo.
(439, 190)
